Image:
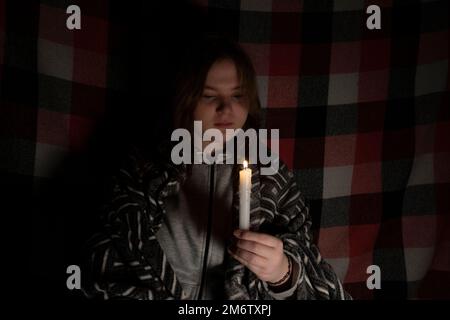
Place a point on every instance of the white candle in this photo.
(245, 186)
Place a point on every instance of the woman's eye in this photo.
(207, 97)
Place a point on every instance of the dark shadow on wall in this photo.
(145, 43)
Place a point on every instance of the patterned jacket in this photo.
(125, 259)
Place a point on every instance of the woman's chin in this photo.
(230, 134)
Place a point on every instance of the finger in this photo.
(255, 268)
(250, 258)
(263, 238)
(256, 247)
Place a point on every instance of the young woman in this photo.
(171, 231)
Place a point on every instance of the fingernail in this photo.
(237, 233)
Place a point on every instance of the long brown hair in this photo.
(192, 76)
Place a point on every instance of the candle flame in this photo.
(245, 164)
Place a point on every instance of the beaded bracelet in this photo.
(285, 277)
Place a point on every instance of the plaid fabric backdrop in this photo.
(363, 114)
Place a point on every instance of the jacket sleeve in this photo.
(115, 267)
(316, 278)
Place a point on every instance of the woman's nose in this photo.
(224, 105)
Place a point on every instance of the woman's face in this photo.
(222, 104)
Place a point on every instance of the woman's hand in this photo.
(262, 253)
